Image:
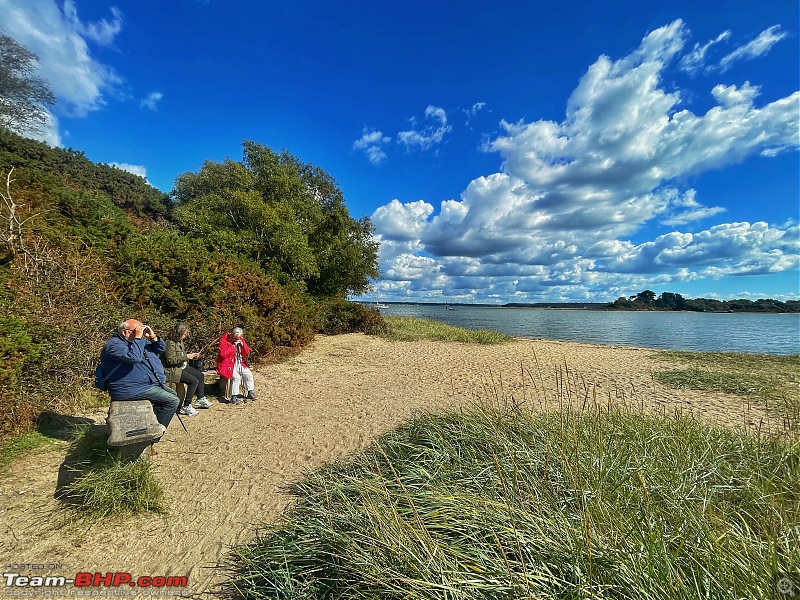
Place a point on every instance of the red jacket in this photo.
(226, 357)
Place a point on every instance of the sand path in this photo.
(227, 474)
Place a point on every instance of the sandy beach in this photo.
(227, 474)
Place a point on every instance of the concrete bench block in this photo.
(132, 423)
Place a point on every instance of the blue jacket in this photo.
(135, 359)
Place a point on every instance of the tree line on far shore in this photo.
(647, 300)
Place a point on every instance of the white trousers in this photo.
(241, 374)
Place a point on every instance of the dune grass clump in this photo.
(508, 504)
(770, 379)
(116, 489)
(412, 329)
(103, 486)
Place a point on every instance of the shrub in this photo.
(341, 316)
(17, 352)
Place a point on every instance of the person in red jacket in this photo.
(232, 364)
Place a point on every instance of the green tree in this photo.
(287, 215)
(621, 302)
(24, 96)
(645, 297)
(671, 301)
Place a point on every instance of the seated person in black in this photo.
(176, 366)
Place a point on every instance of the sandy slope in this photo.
(226, 474)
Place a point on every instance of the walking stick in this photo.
(177, 414)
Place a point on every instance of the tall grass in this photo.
(504, 503)
(116, 489)
(771, 380)
(410, 329)
(102, 486)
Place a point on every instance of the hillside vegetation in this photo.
(266, 243)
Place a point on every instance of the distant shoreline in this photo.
(598, 306)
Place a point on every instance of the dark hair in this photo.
(178, 332)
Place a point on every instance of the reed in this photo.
(503, 502)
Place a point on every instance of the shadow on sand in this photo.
(87, 450)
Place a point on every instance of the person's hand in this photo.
(138, 332)
(193, 355)
(148, 332)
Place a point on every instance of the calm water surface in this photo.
(718, 332)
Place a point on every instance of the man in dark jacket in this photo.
(133, 370)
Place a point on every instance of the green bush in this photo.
(272, 315)
(341, 316)
(18, 352)
(99, 247)
(89, 217)
(171, 272)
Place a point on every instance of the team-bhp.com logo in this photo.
(85, 580)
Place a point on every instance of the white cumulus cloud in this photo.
(557, 219)
(61, 41)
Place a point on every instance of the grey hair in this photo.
(238, 331)
(179, 330)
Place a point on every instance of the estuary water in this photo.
(717, 332)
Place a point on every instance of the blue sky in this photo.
(506, 151)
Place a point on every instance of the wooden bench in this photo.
(133, 427)
(225, 388)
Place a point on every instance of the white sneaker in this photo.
(203, 402)
(187, 410)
